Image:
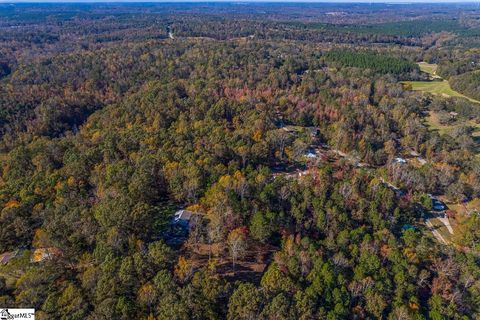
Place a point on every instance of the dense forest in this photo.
(239, 161)
(469, 83)
(369, 60)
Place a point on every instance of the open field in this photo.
(468, 208)
(433, 122)
(251, 266)
(439, 87)
(463, 210)
(428, 67)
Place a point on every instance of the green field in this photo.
(442, 88)
(428, 67)
(436, 87)
(434, 123)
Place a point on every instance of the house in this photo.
(185, 218)
(438, 205)
(310, 154)
(44, 254)
(181, 225)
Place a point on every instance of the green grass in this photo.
(428, 68)
(436, 87)
(433, 123)
(441, 88)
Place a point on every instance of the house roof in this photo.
(183, 215)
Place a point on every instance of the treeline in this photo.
(455, 62)
(461, 68)
(467, 83)
(412, 28)
(370, 60)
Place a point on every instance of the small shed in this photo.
(310, 154)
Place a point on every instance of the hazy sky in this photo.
(299, 1)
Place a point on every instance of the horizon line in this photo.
(411, 2)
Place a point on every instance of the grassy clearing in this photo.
(437, 87)
(465, 209)
(428, 68)
(433, 123)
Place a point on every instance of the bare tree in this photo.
(237, 244)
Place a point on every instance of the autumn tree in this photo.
(237, 243)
